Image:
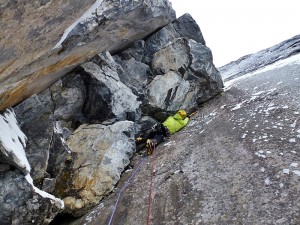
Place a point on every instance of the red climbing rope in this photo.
(151, 186)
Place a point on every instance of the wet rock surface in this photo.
(237, 162)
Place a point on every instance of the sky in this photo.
(234, 28)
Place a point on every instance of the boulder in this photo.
(37, 122)
(168, 92)
(135, 75)
(184, 26)
(99, 155)
(47, 39)
(58, 152)
(188, 76)
(68, 96)
(107, 96)
(20, 204)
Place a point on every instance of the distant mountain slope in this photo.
(249, 63)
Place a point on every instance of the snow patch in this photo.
(238, 106)
(259, 154)
(294, 164)
(267, 181)
(170, 143)
(286, 171)
(296, 172)
(244, 136)
(43, 193)
(293, 125)
(13, 139)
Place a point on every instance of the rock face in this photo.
(237, 161)
(33, 56)
(81, 129)
(261, 59)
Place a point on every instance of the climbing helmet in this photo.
(182, 113)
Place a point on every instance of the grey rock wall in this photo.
(32, 56)
(81, 129)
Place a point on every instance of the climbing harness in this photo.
(123, 188)
(151, 185)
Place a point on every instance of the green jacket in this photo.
(175, 123)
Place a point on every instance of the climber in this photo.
(160, 131)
